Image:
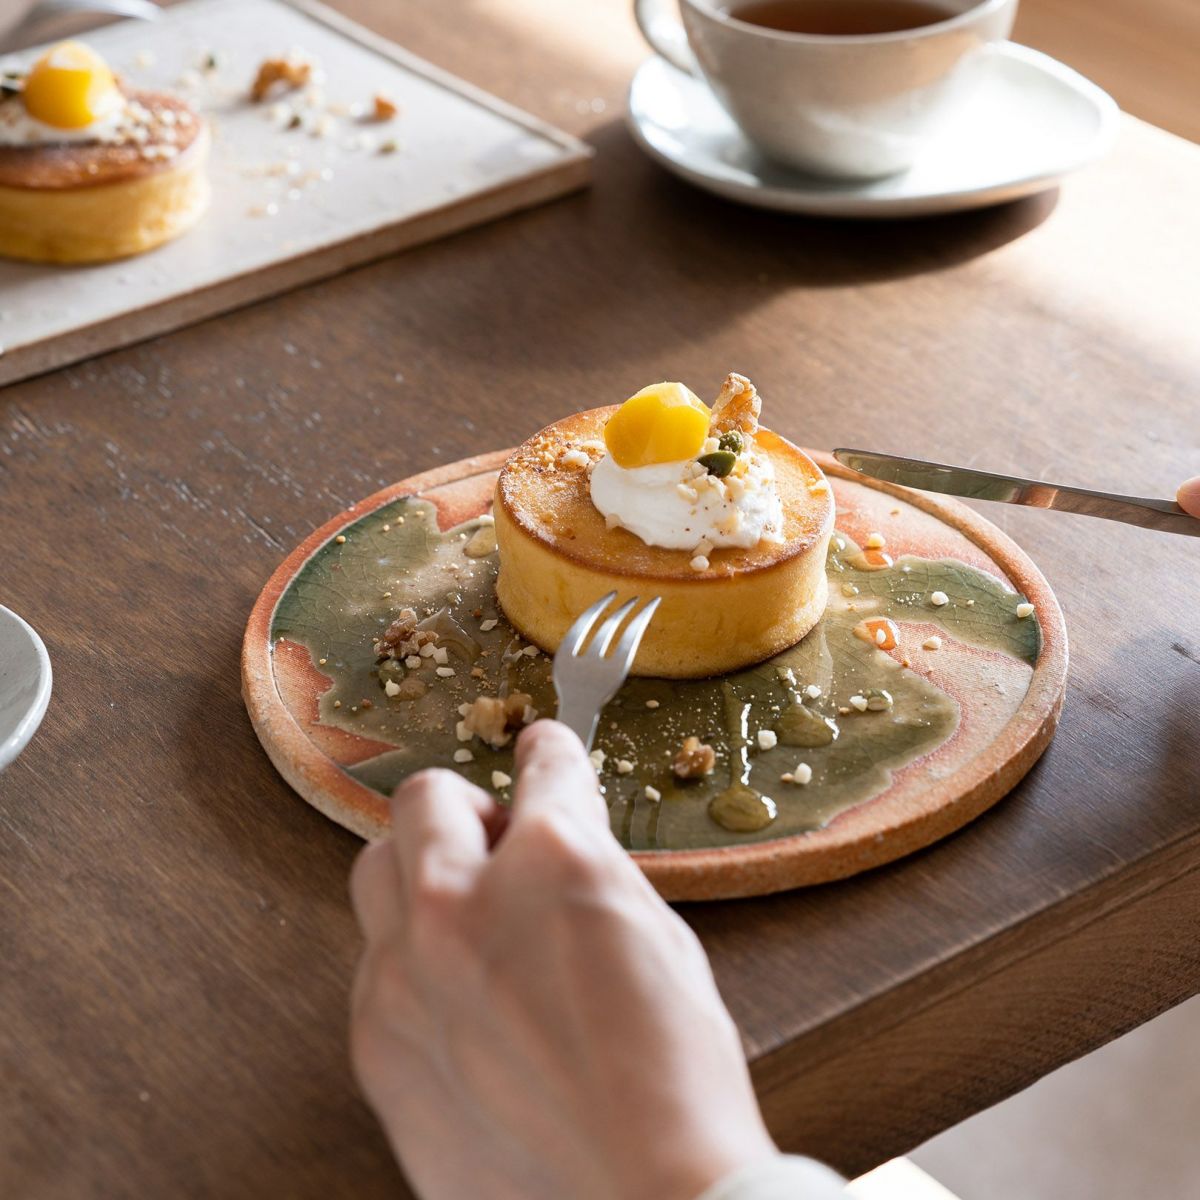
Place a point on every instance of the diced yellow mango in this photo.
(70, 86)
(662, 423)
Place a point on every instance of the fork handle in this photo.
(581, 719)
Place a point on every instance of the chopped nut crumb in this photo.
(876, 541)
(441, 655)
(1025, 610)
(493, 718)
(500, 780)
(597, 757)
(767, 739)
(412, 688)
(651, 703)
(624, 766)
(932, 643)
(279, 74)
(446, 672)
(652, 794)
(322, 661)
(812, 691)
(488, 625)
(413, 661)
(574, 459)
(802, 774)
(463, 755)
(383, 108)
(700, 563)
(938, 599)
(340, 539)
(737, 407)
(477, 672)
(391, 687)
(402, 639)
(859, 703)
(693, 759)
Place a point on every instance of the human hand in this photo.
(529, 1019)
(1188, 496)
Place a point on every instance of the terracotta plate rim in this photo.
(839, 850)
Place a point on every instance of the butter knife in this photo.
(1008, 489)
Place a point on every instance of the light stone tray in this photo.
(463, 158)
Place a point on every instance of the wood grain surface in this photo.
(1147, 54)
(175, 935)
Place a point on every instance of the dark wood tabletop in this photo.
(175, 935)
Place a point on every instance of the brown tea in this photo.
(839, 18)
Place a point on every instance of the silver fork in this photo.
(39, 19)
(587, 679)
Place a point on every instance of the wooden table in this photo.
(176, 939)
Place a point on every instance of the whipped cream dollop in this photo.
(19, 128)
(680, 506)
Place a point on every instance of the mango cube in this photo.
(662, 423)
(70, 86)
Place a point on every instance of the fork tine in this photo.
(631, 639)
(607, 631)
(574, 637)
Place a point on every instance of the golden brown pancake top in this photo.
(63, 165)
(553, 504)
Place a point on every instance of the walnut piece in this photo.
(695, 758)
(492, 719)
(737, 407)
(383, 108)
(279, 74)
(402, 637)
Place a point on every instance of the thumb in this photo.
(1188, 496)
(554, 774)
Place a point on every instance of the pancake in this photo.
(557, 556)
(78, 202)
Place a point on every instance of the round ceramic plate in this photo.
(25, 680)
(1030, 122)
(309, 639)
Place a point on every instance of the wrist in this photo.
(688, 1170)
(779, 1177)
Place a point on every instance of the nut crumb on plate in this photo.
(492, 719)
(694, 758)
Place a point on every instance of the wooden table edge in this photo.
(1026, 963)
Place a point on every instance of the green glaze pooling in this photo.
(337, 605)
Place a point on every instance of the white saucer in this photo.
(25, 679)
(1030, 122)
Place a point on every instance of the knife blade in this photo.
(1164, 515)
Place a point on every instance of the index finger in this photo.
(555, 775)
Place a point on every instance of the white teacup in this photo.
(855, 106)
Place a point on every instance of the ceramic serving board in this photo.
(310, 639)
(288, 206)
